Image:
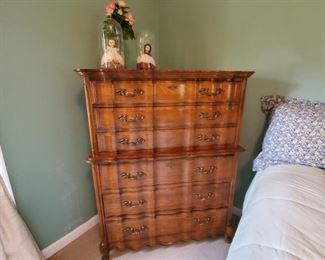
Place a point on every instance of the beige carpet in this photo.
(86, 248)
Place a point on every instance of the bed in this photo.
(284, 208)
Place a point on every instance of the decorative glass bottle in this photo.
(145, 50)
(112, 55)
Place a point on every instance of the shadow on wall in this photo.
(254, 126)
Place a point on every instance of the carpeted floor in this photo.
(86, 248)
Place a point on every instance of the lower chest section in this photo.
(162, 201)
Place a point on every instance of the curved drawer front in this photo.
(210, 196)
(128, 203)
(208, 222)
(130, 229)
(173, 198)
(119, 92)
(123, 118)
(126, 175)
(215, 137)
(212, 169)
(175, 91)
(174, 117)
(213, 91)
(165, 139)
(124, 141)
(213, 116)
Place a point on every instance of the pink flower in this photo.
(110, 8)
(121, 3)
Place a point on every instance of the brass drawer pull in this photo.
(133, 230)
(206, 92)
(172, 87)
(137, 141)
(203, 221)
(209, 169)
(124, 93)
(131, 204)
(206, 138)
(129, 176)
(128, 118)
(199, 196)
(207, 116)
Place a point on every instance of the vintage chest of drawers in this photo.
(163, 153)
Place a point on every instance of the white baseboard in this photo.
(236, 211)
(68, 238)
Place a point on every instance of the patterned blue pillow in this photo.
(296, 135)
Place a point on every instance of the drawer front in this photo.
(130, 229)
(171, 171)
(123, 118)
(210, 196)
(215, 137)
(174, 117)
(133, 92)
(212, 91)
(213, 116)
(175, 91)
(173, 198)
(128, 203)
(126, 175)
(124, 141)
(165, 139)
(212, 169)
(208, 223)
(119, 92)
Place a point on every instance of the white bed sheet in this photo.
(283, 215)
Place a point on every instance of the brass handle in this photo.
(202, 222)
(172, 87)
(128, 118)
(135, 230)
(199, 196)
(207, 116)
(206, 92)
(209, 169)
(137, 141)
(206, 138)
(124, 93)
(129, 176)
(131, 204)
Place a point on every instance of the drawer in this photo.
(174, 117)
(213, 91)
(119, 92)
(215, 137)
(210, 196)
(165, 139)
(171, 198)
(212, 169)
(128, 230)
(172, 171)
(123, 118)
(175, 91)
(116, 204)
(126, 175)
(133, 92)
(213, 116)
(208, 223)
(124, 141)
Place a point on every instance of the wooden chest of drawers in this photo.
(163, 153)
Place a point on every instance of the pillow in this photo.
(296, 135)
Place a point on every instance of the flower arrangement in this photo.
(119, 11)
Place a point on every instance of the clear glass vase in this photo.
(112, 46)
(145, 51)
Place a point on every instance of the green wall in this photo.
(282, 41)
(43, 129)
